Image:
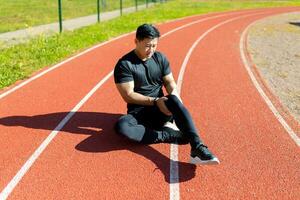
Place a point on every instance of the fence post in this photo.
(98, 10)
(121, 7)
(60, 15)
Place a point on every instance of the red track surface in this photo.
(87, 160)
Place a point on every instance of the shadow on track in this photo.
(102, 137)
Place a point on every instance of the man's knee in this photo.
(173, 98)
(173, 101)
(123, 123)
(127, 125)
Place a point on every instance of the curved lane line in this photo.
(247, 63)
(57, 65)
(17, 178)
(174, 174)
(88, 50)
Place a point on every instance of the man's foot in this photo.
(170, 135)
(202, 155)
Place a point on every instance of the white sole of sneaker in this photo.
(197, 160)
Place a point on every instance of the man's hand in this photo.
(162, 106)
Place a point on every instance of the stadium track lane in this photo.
(55, 92)
(259, 160)
(42, 118)
(53, 162)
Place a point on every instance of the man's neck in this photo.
(139, 56)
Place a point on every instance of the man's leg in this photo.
(183, 120)
(131, 127)
(128, 126)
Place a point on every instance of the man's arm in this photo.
(129, 96)
(171, 88)
(171, 85)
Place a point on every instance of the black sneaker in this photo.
(170, 135)
(202, 155)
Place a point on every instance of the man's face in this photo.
(146, 47)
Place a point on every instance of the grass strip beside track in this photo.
(22, 14)
(20, 61)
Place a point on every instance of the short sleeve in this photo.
(122, 72)
(165, 65)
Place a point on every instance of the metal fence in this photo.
(23, 14)
(107, 5)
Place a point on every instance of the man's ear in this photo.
(136, 41)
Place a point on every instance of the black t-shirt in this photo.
(147, 75)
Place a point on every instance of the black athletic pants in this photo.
(145, 125)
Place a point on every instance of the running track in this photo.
(85, 159)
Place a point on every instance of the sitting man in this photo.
(139, 77)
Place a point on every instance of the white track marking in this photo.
(88, 50)
(17, 178)
(12, 184)
(174, 174)
(57, 65)
(247, 64)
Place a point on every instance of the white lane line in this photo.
(174, 174)
(12, 184)
(17, 178)
(58, 65)
(247, 63)
(73, 57)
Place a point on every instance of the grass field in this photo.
(20, 14)
(20, 61)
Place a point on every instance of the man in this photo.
(139, 78)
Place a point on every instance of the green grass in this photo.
(20, 61)
(20, 14)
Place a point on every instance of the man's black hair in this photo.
(147, 31)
